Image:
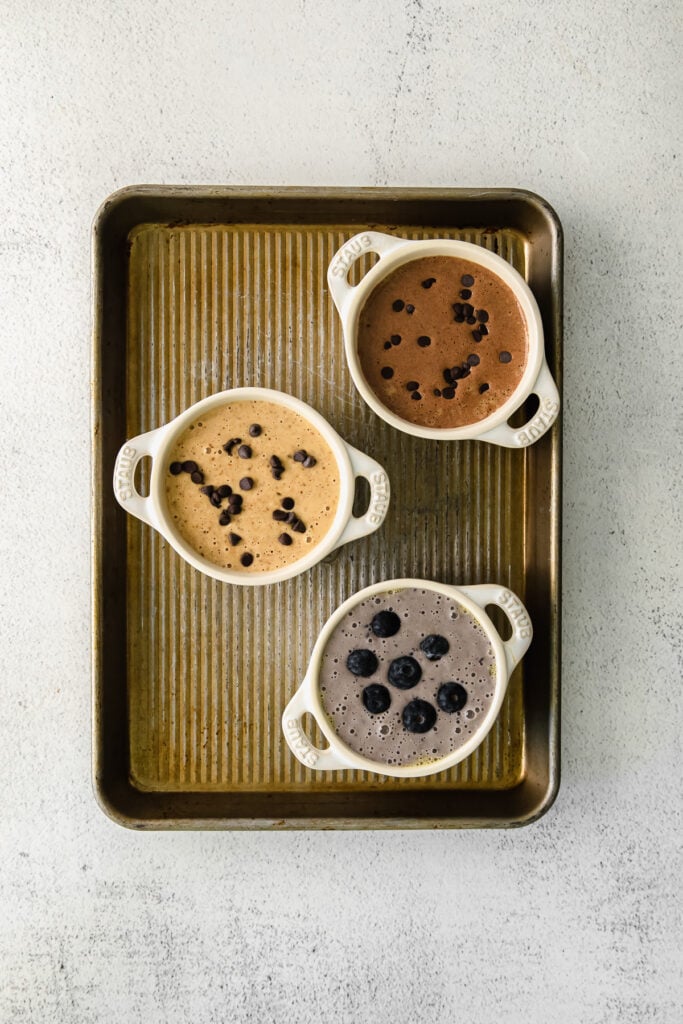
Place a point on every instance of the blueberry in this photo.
(404, 672)
(434, 646)
(419, 716)
(451, 697)
(385, 624)
(362, 663)
(376, 698)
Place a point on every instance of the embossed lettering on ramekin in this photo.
(125, 467)
(544, 419)
(380, 498)
(300, 744)
(516, 612)
(348, 253)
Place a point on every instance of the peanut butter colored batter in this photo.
(307, 494)
(414, 329)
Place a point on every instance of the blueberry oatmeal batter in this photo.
(407, 677)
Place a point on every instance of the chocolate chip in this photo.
(387, 345)
(215, 499)
(476, 335)
(457, 307)
(190, 466)
(298, 527)
(310, 462)
(291, 517)
(224, 491)
(276, 462)
(235, 500)
(459, 318)
(473, 359)
(287, 503)
(447, 376)
(246, 483)
(197, 477)
(456, 372)
(246, 559)
(471, 319)
(255, 430)
(234, 539)
(448, 393)
(437, 392)
(224, 518)
(505, 357)
(482, 316)
(429, 282)
(299, 455)
(467, 308)
(285, 539)
(244, 451)
(483, 329)
(395, 339)
(208, 490)
(467, 280)
(229, 445)
(423, 341)
(416, 396)
(412, 385)
(465, 294)
(483, 388)
(398, 305)
(175, 468)
(387, 372)
(277, 473)
(279, 516)
(410, 308)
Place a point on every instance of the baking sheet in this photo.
(197, 290)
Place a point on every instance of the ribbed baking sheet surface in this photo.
(211, 667)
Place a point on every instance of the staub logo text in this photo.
(380, 498)
(125, 467)
(300, 744)
(540, 423)
(517, 615)
(349, 253)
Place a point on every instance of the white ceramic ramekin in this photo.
(158, 444)
(393, 253)
(307, 698)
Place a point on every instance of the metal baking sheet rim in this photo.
(100, 770)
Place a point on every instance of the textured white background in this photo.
(575, 919)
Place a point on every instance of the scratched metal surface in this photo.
(209, 668)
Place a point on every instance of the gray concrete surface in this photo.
(575, 919)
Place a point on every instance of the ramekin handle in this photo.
(352, 250)
(380, 493)
(521, 437)
(327, 760)
(517, 615)
(124, 474)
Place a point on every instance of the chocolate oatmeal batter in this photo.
(442, 342)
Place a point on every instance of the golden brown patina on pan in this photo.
(199, 289)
